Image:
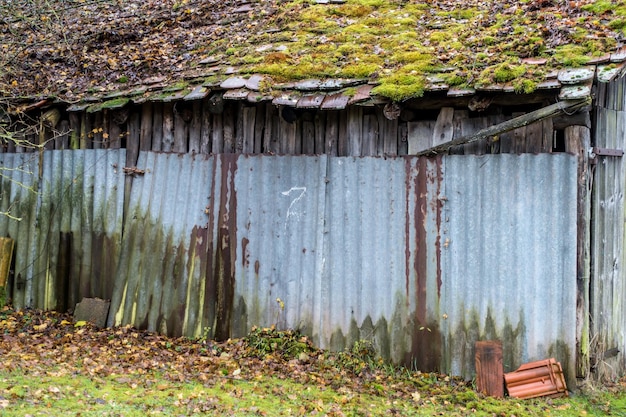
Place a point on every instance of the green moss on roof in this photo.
(397, 43)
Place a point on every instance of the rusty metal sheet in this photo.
(337, 101)
(312, 101)
(361, 94)
(287, 99)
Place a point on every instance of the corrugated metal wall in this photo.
(68, 238)
(509, 262)
(608, 287)
(421, 255)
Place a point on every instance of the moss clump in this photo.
(3, 297)
(359, 70)
(400, 87)
(525, 86)
(501, 73)
(506, 72)
(571, 55)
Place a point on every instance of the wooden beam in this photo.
(546, 112)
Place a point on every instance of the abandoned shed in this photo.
(222, 198)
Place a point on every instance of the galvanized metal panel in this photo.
(424, 256)
(280, 249)
(509, 258)
(18, 203)
(165, 252)
(68, 238)
(330, 245)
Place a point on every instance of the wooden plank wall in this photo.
(452, 124)
(213, 126)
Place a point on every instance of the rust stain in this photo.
(245, 259)
(420, 259)
(439, 205)
(408, 168)
(257, 267)
(426, 344)
(226, 242)
(210, 298)
(537, 379)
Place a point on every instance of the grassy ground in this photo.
(52, 366)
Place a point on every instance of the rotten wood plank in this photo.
(132, 141)
(267, 133)
(249, 117)
(308, 138)
(195, 127)
(529, 118)
(389, 133)
(578, 141)
(181, 132)
(168, 127)
(145, 134)
(444, 128)
(205, 130)
(239, 128)
(74, 130)
(332, 132)
(228, 127)
(370, 135)
(420, 136)
(403, 143)
(259, 127)
(342, 135)
(287, 135)
(157, 126)
(217, 134)
(354, 131)
(86, 132)
(98, 131)
(320, 131)
(469, 127)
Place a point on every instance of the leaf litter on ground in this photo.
(50, 362)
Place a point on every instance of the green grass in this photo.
(59, 394)
(52, 366)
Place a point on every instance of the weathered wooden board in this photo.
(420, 136)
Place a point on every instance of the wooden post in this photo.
(489, 371)
(6, 254)
(578, 141)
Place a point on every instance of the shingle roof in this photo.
(302, 53)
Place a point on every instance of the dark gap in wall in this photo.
(558, 141)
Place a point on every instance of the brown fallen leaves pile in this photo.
(48, 343)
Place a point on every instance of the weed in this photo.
(287, 344)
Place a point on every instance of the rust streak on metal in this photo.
(226, 241)
(439, 208)
(245, 259)
(420, 259)
(407, 232)
(209, 305)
